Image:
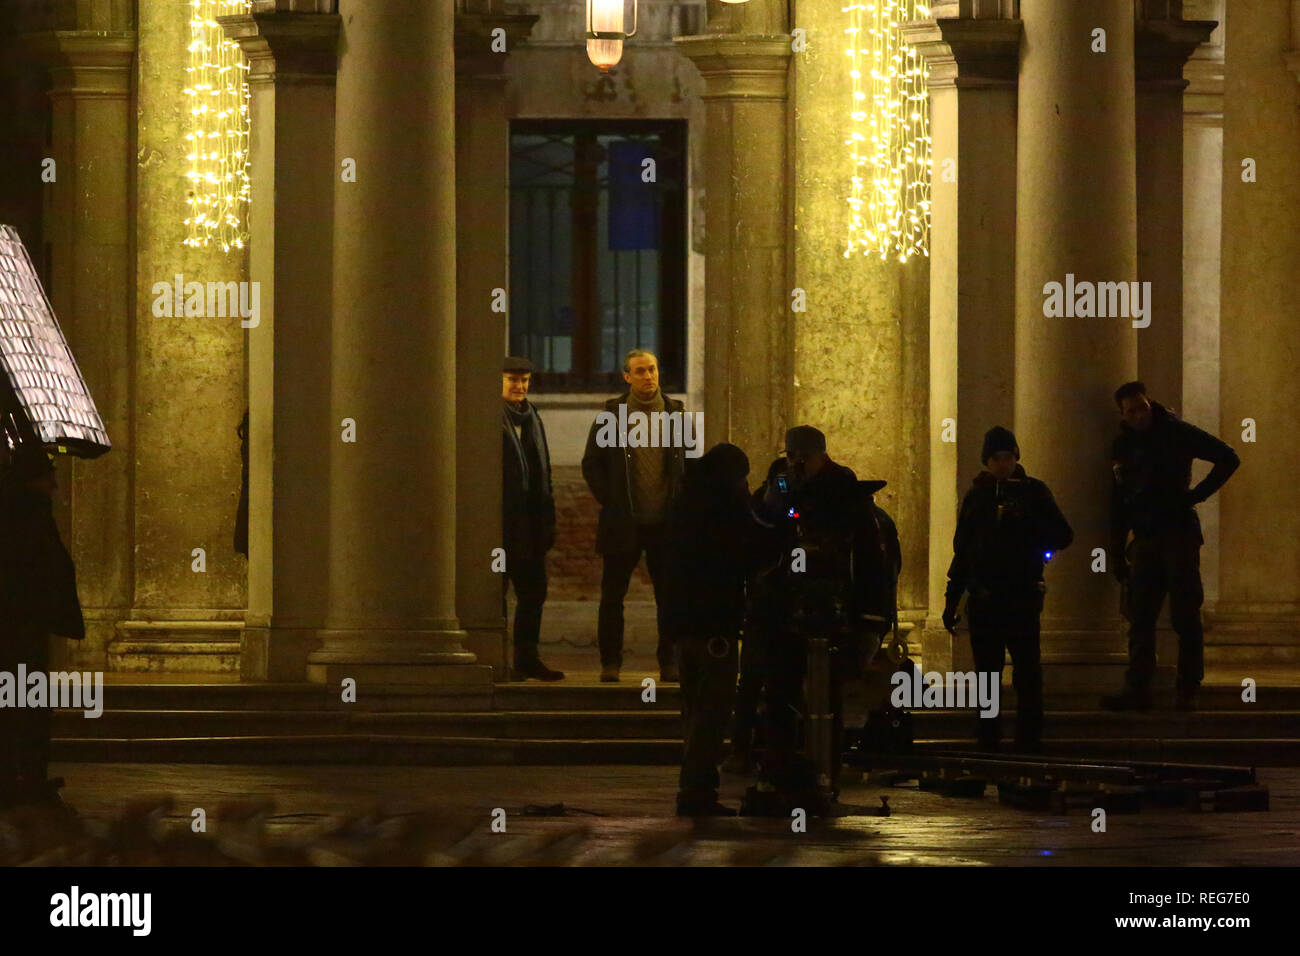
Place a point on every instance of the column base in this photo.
(277, 653)
(489, 644)
(1240, 634)
(170, 647)
(395, 657)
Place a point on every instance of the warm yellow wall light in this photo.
(605, 33)
(889, 146)
(218, 129)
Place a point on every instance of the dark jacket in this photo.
(1004, 531)
(527, 495)
(715, 542)
(1153, 472)
(607, 471)
(38, 583)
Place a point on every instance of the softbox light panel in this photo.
(44, 397)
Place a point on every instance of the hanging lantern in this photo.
(605, 34)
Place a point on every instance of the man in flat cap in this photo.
(38, 598)
(527, 514)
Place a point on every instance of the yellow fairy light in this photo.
(218, 129)
(894, 150)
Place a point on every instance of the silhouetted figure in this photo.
(1008, 527)
(1152, 463)
(527, 515)
(834, 577)
(241, 512)
(38, 598)
(713, 536)
(635, 487)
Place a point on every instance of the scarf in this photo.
(530, 431)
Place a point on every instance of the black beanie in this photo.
(998, 439)
(722, 466)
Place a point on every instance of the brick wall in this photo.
(573, 565)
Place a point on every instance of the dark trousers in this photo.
(996, 627)
(614, 580)
(1159, 564)
(708, 674)
(748, 693)
(24, 731)
(528, 575)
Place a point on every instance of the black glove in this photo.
(950, 617)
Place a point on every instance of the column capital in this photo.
(285, 43)
(968, 52)
(474, 55)
(1161, 48)
(740, 66)
(85, 63)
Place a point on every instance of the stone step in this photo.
(471, 751)
(623, 724)
(534, 696)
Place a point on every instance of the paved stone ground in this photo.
(637, 825)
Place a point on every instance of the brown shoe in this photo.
(537, 671)
(609, 675)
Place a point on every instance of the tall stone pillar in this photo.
(1202, 228)
(482, 246)
(747, 328)
(1163, 42)
(89, 225)
(1075, 215)
(973, 54)
(292, 56)
(392, 555)
(189, 598)
(1258, 614)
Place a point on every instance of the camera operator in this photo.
(1008, 526)
(834, 577)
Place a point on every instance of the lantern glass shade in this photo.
(605, 53)
(607, 18)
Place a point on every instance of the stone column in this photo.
(973, 56)
(747, 328)
(482, 247)
(189, 590)
(1202, 226)
(1258, 613)
(392, 613)
(1075, 214)
(1162, 42)
(89, 227)
(292, 56)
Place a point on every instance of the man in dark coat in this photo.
(1008, 527)
(833, 574)
(635, 487)
(527, 515)
(38, 598)
(713, 536)
(1152, 462)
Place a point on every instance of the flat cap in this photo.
(517, 363)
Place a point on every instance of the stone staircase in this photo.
(591, 723)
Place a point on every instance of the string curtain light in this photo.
(889, 143)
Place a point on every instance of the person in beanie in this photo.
(1152, 463)
(527, 515)
(1008, 527)
(635, 487)
(38, 598)
(714, 537)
